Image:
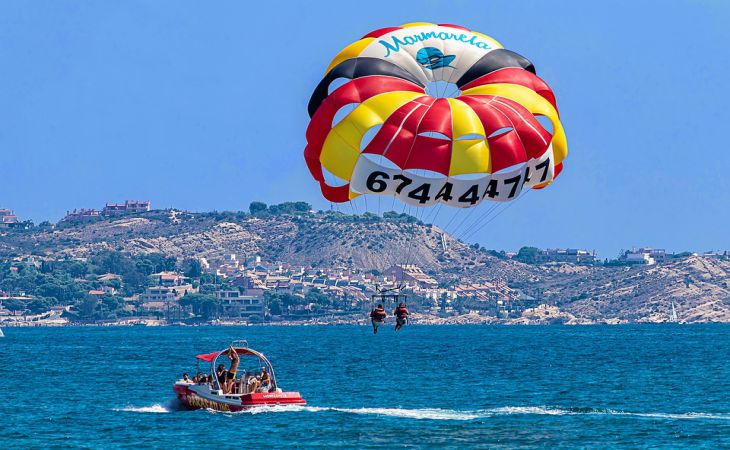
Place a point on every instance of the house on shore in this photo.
(412, 275)
(571, 255)
(8, 219)
(239, 306)
(80, 215)
(644, 256)
(128, 207)
(170, 287)
(110, 210)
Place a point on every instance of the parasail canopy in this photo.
(432, 113)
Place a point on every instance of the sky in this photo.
(202, 106)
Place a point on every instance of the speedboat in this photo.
(245, 393)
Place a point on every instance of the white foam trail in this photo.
(680, 416)
(540, 410)
(527, 410)
(427, 413)
(448, 414)
(158, 408)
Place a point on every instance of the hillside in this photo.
(313, 239)
(698, 286)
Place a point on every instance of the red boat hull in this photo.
(199, 397)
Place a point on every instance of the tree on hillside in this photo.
(14, 305)
(527, 255)
(392, 216)
(77, 269)
(40, 305)
(280, 302)
(318, 298)
(46, 267)
(290, 208)
(256, 208)
(111, 307)
(134, 270)
(88, 307)
(192, 268)
(205, 305)
(681, 255)
(113, 262)
(276, 306)
(52, 290)
(154, 263)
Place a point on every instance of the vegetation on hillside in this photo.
(68, 282)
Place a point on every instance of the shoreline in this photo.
(489, 321)
(541, 315)
(352, 324)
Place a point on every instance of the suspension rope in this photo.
(466, 217)
(480, 219)
(512, 203)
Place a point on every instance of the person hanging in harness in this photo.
(401, 316)
(377, 317)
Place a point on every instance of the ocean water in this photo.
(643, 386)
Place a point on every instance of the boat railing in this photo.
(239, 343)
(242, 343)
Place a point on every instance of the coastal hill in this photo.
(698, 286)
(307, 239)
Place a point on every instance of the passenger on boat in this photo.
(265, 380)
(221, 374)
(198, 378)
(401, 315)
(231, 374)
(253, 384)
(185, 378)
(377, 317)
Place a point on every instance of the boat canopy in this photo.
(210, 357)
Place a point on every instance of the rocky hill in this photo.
(697, 286)
(310, 239)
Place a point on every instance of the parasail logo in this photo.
(432, 58)
(399, 42)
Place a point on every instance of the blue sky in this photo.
(202, 106)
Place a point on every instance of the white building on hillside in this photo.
(236, 305)
(647, 256)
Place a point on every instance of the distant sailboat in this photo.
(673, 317)
(1, 333)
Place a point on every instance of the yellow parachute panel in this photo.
(467, 155)
(536, 104)
(351, 51)
(342, 146)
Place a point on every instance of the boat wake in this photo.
(543, 410)
(465, 415)
(158, 408)
(446, 414)
(426, 413)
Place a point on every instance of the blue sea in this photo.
(642, 386)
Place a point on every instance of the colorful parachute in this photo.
(432, 113)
